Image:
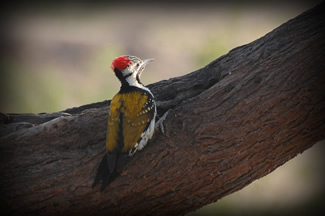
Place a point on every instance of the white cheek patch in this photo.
(126, 72)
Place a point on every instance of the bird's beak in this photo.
(146, 61)
(142, 66)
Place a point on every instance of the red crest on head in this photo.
(121, 63)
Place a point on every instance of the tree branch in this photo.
(230, 123)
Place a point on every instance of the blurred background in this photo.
(58, 56)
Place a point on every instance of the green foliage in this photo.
(27, 88)
(211, 50)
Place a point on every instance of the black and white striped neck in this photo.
(129, 82)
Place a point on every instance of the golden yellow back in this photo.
(130, 115)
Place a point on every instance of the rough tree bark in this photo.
(230, 123)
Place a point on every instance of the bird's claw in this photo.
(159, 123)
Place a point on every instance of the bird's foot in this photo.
(159, 123)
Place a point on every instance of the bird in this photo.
(131, 121)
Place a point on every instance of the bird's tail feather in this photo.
(102, 171)
(106, 173)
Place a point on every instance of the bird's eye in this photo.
(137, 65)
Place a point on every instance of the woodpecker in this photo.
(131, 121)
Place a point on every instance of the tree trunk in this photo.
(230, 123)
